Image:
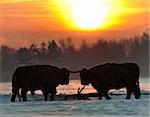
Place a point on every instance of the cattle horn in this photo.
(75, 71)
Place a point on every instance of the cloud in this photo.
(32, 9)
(15, 1)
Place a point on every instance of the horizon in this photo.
(76, 37)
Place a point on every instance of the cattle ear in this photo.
(84, 69)
(63, 69)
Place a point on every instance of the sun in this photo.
(83, 15)
(88, 14)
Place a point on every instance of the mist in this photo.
(64, 53)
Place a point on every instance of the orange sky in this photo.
(26, 21)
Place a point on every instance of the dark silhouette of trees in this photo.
(43, 50)
(64, 53)
(52, 48)
(33, 50)
(23, 56)
(8, 62)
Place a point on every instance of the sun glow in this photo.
(88, 14)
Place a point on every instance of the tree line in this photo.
(64, 54)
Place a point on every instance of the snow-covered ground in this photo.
(37, 107)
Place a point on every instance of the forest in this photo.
(65, 54)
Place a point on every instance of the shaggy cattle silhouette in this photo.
(39, 77)
(102, 77)
(112, 76)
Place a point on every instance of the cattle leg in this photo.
(14, 93)
(45, 93)
(13, 98)
(129, 92)
(32, 92)
(53, 93)
(45, 96)
(137, 93)
(100, 94)
(23, 94)
(105, 92)
(107, 96)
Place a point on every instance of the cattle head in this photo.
(84, 76)
(64, 76)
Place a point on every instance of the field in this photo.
(37, 107)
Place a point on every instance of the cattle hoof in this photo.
(127, 98)
(137, 97)
(108, 98)
(25, 100)
(52, 99)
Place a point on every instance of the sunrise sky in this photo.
(25, 21)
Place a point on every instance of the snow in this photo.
(118, 106)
